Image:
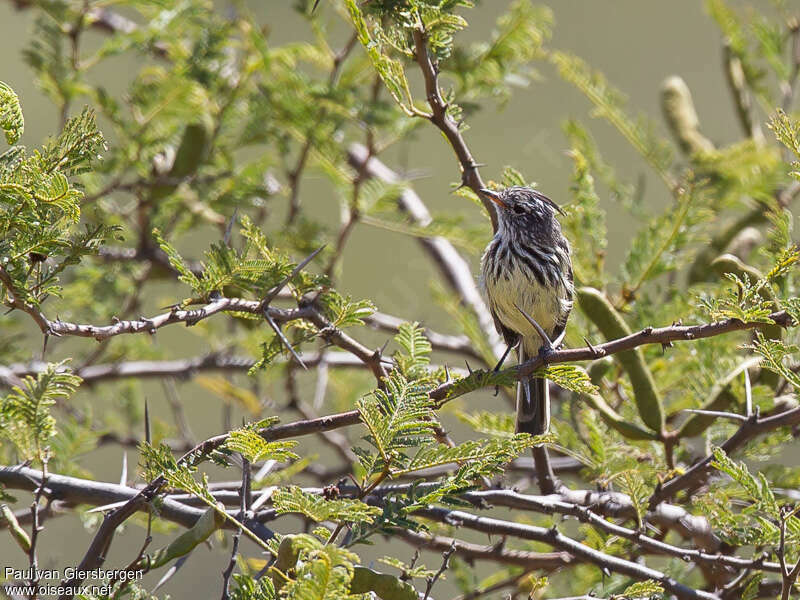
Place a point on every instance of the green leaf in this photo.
(477, 457)
(25, 413)
(585, 220)
(255, 448)
(11, 121)
(399, 417)
(77, 146)
(569, 377)
(757, 488)
(788, 133)
(178, 263)
(643, 589)
(390, 70)
(610, 105)
(752, 300)
(414, 357)
(294, 500)
(488, 423)
(494, 66)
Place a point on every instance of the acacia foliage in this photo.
(215, 136)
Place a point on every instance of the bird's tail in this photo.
(533, 403)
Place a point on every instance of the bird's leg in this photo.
(500, 364)
(547, 348)
(504, 357)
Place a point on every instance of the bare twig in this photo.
(546, 561)
(790, 85)
(545, 478)
(753, 427)
(36, 527)
(743, 102)
(716, 413)
(557, 539)
(295, 174)
(431, 581)
(243, 508)
(178, 414)
(273, 293)
(457, 272)
(335, 440)
(179, 368)
(440, 117)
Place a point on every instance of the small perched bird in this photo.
(526, 275)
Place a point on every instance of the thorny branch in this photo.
(555, 538)
(589, 512)
(440, 117)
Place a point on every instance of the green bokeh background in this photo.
(635, 43)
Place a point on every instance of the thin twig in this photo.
(243, 508)
(555, 538)
(36, 527)
(440, 117)
(753, 427)
(431, 581)
(716, 413)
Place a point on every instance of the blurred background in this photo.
(635, 44)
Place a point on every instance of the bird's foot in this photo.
(546, 351)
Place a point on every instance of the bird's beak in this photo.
(494, 197)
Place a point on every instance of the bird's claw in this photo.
(546, 351)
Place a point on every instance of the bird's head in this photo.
(522, 208)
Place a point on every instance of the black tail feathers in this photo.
(533, 406)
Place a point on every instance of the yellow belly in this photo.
(545, 304)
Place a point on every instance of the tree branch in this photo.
(754, 427)
(439, 117)
(556, 539)
(456, 271)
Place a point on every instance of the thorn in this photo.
(276, 290)
(123, 478)
(313, 8)
(597, 352)
(468, 367)
(446, 373)
(147, 437)
(226, 239)
(383, 348)
(748, 393)
(282, 337)
(44, 345)
(546, 343)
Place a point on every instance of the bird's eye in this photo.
(519, 210)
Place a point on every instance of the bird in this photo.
(526, 277)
